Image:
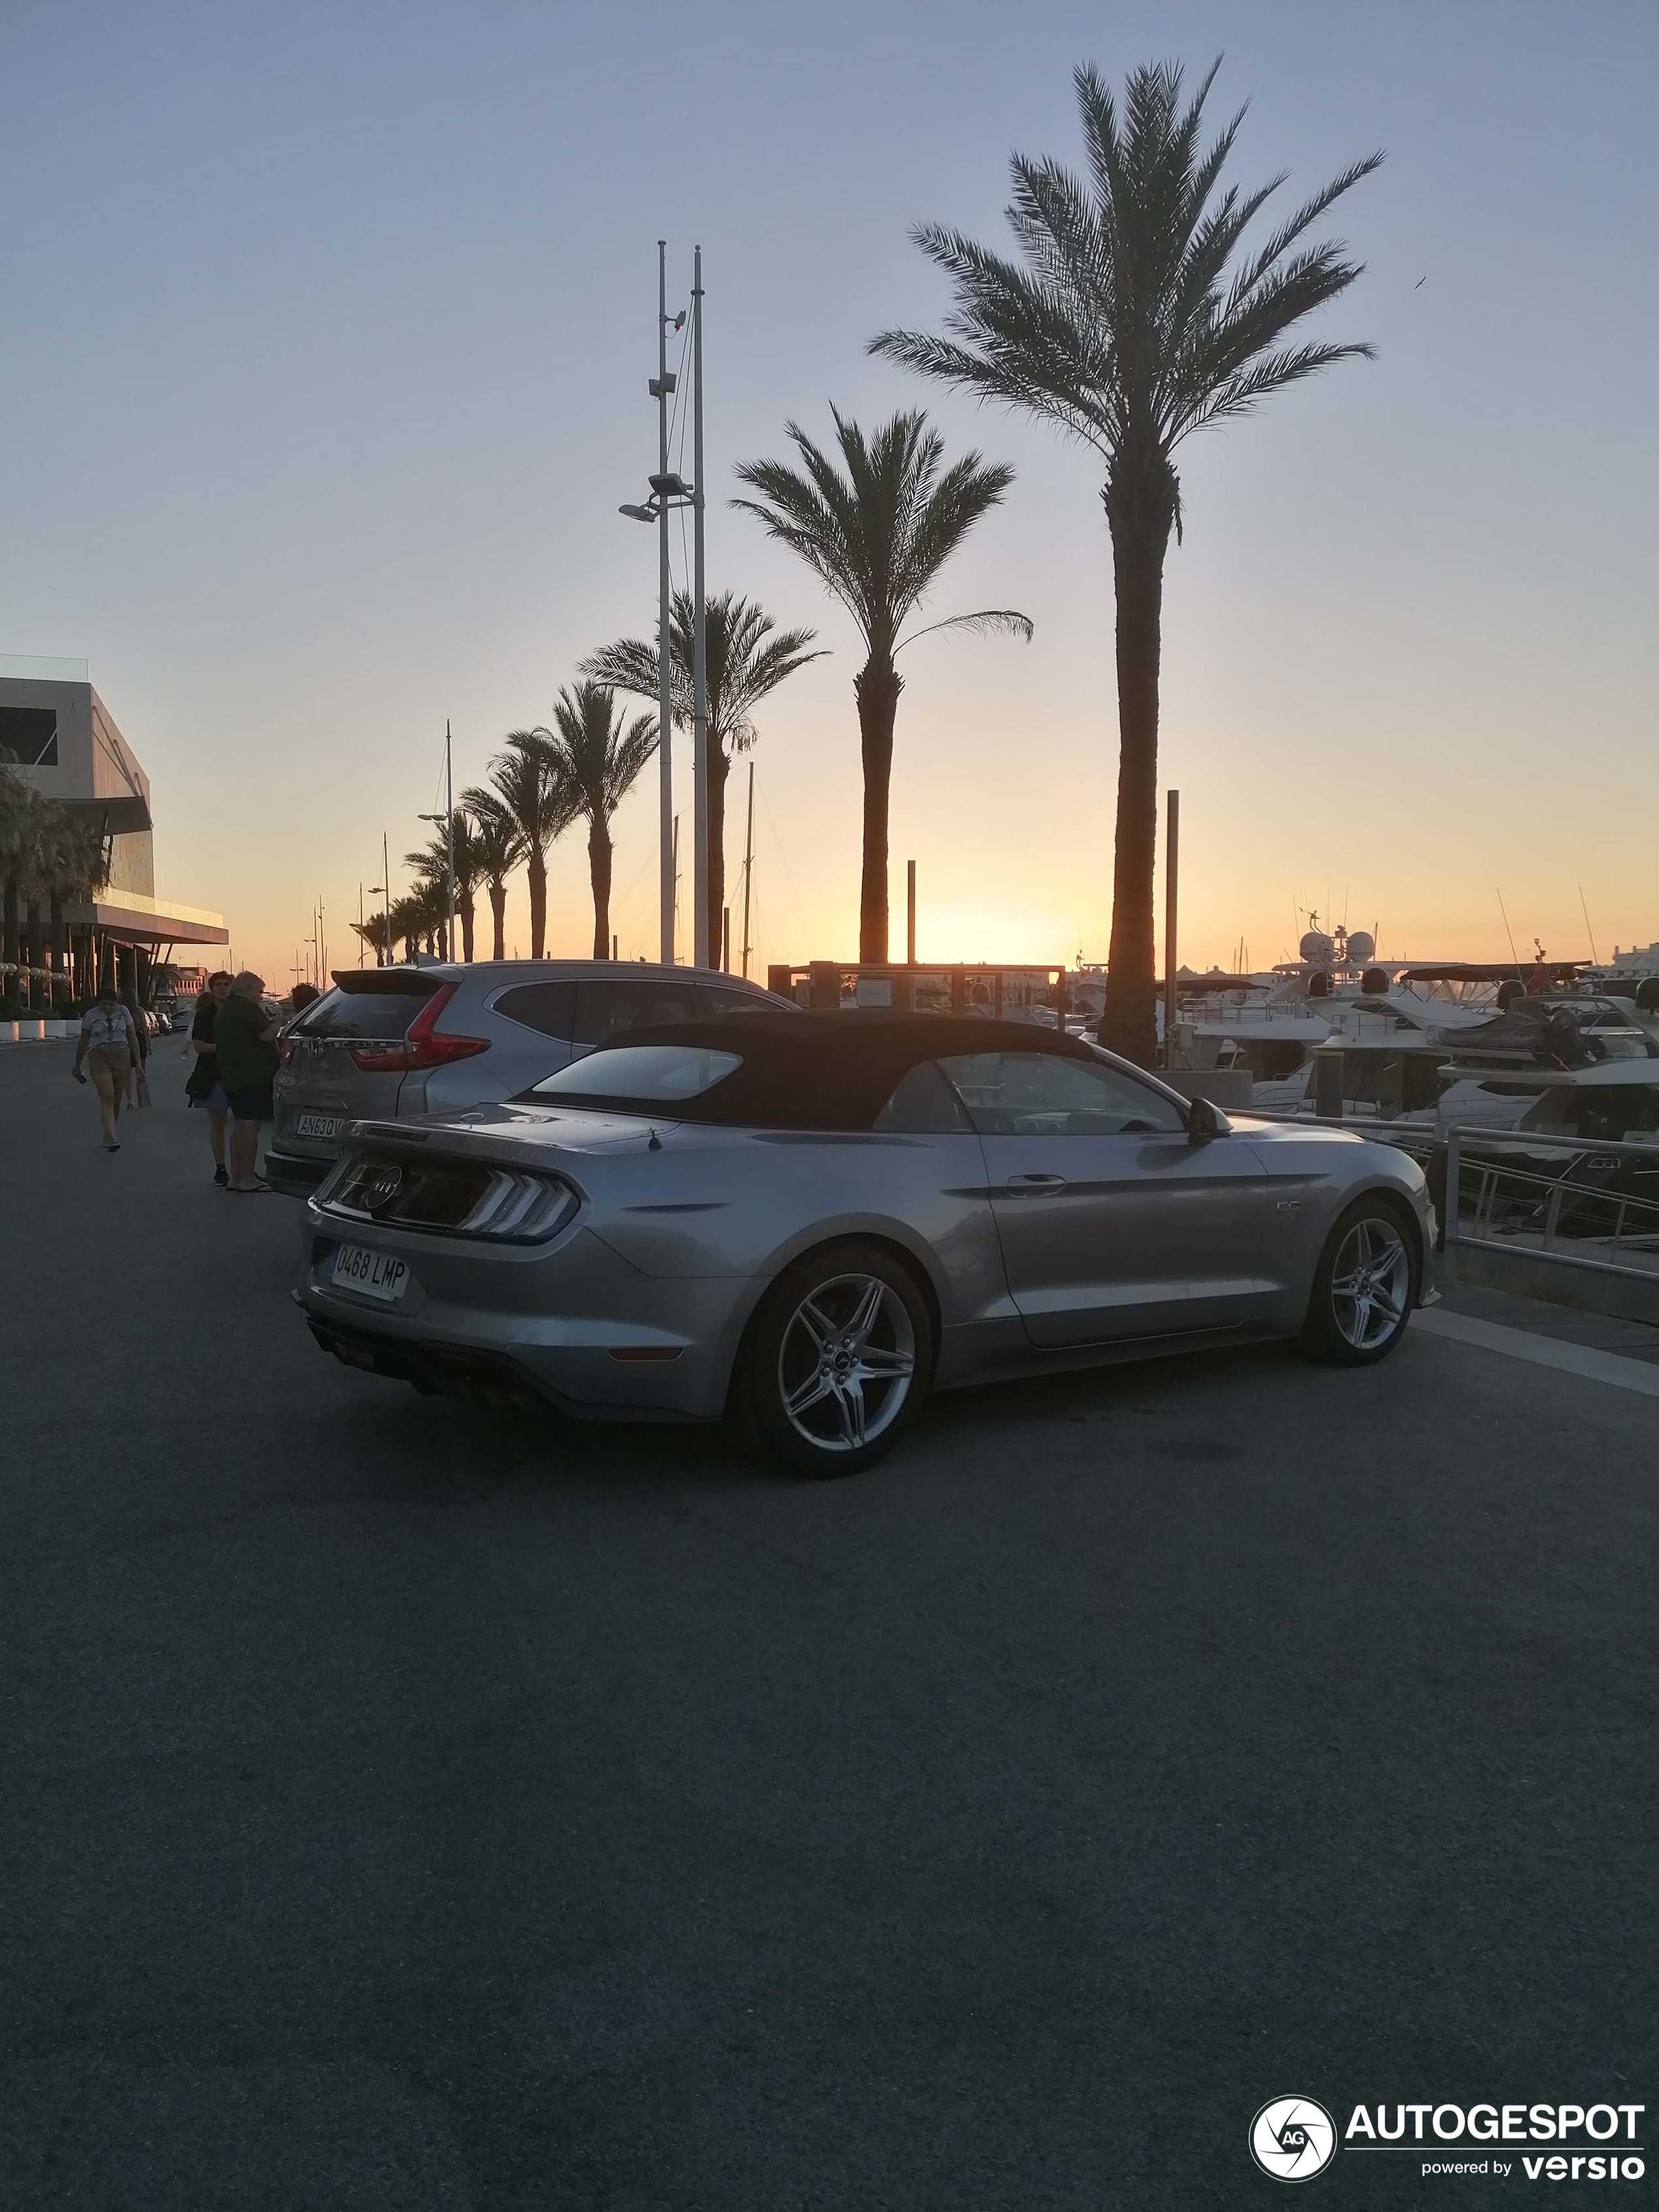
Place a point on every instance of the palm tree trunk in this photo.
(536, 869)
(498, 910)
(464, 908)
(59, 962)
(9, 945)
(598, 867)
(719, 769)
(877, 687)
(1140, 506)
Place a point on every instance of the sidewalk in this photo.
(1628, 1340)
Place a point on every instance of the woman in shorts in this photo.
(109, 1046)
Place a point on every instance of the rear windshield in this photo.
(377, 1013)
(642, 1074)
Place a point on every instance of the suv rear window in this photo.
(602, 1009)
(549, 1008)
(364, 1013)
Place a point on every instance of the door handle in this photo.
(1035, 1186)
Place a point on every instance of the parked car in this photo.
(393, 1043)
(807, 1222)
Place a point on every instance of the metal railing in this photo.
(1518, 1211)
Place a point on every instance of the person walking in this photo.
(202, 1086)
(109, 1045)
(138, 1088)
(245, 1039)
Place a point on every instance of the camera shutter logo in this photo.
(1292, 2138)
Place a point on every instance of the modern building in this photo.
(57, 736)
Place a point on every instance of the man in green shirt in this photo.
(244, 1042)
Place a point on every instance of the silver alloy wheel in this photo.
(845, 1363)
(1370, 1283)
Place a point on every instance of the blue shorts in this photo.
(215, 1100)
(252, 1105)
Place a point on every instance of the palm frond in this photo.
(989, 621)
(594, 753)
(877, 525)
(1120, 321)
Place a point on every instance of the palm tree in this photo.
(72, 866)
(499, 845)
(1131, 324)
(595, 754)
(45, 853)
(18, 826)
(376, 935)
(744, 660)
(432, 864)
(469, 874)
(405, 920)
(877, 537)
(523, 785)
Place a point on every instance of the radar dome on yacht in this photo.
(1362, 947)
(1317, 950)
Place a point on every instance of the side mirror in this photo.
(1204, 1121)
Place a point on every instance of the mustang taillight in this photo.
(423, 1046)
(451, 1197)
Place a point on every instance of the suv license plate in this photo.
(318, 1124)
(372, 1274)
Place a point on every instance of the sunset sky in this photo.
(323, 374)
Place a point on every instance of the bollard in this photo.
(781, 981)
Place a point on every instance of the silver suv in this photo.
(387, 1044)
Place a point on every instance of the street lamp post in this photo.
(663, 387)
(670, 490)
(448, 819)
(699, 646)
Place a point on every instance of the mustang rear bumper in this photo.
(578, 1328)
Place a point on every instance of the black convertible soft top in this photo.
(819, 1071)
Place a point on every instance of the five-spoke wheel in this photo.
(1365, 1286)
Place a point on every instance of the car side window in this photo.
(549, 1008)
(923, 1104)
(1031, 1094)
(602, 1009)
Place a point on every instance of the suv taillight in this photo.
(423, 1046)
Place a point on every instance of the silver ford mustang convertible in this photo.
(805, 1223)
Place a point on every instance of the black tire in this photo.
(1375, 1245)
(867, 1344)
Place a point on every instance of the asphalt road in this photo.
(404, 1811)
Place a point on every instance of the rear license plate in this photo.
(318, 1124)
(372, 1274)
